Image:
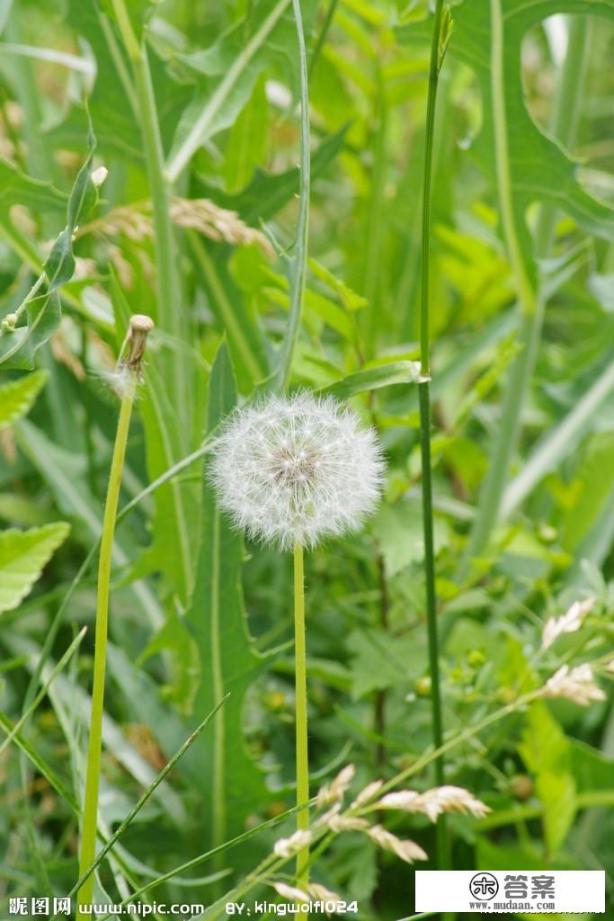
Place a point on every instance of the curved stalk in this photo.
(92, 781)
(437, 47)
(130, 363)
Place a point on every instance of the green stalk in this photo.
(425, 425)
(302, 756)
(169, 296)
(563, 127)
(135, 345)
(299, 258)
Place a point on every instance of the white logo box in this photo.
(510, 891)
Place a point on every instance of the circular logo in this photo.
(484, 886)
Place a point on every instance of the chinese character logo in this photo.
(484, 886)
(542, 887)
(516, 887)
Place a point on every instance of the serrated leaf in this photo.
(539, 169)
(23, 555)
(228, 659)
(17, 397)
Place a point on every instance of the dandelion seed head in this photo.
(296, 469)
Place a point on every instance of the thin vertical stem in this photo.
(92, 782)
(300, 670)
(299, 258)
(425, 426)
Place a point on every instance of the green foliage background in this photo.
(195, 111)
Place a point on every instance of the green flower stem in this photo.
(563, 127)
(130, 366)
(92, 782)
(302, 756)
(425, 427)
(299, 258)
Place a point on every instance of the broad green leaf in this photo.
(591, 489)
(396, 372)
(546, 752)
(60, 264)
(537, 169)
(64, 475)
(267, 193)
(559, 441)
(398, 531)
(18, 348)
(175, 521)
(228, 660)
(43, 312)
(17, 188)
(229, 69)
(244, 337)
(381, 660)
(592, 770)
(246, 146)
(23, 555)
(17, 397)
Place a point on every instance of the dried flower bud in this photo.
(98, 176)
(9, 322)
(139, 328)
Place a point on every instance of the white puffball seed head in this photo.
(292, 470)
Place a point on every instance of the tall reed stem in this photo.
(300, 672)
(425, 426)
(135, 344)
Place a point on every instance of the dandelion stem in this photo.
(425, 426)
(302, 757)
(92, 782)
(132, 353)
